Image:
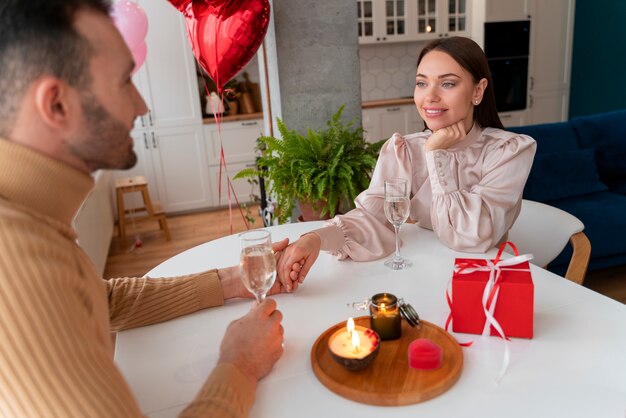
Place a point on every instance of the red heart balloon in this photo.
(195, 8)
(225, 35)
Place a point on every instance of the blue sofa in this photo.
(580, 167)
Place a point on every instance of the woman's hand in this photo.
(297, 260)
(230, 278)
(447, 137)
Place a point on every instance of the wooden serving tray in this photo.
(389, 381)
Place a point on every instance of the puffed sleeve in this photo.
(476, 198)
(367, 235)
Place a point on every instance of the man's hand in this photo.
(253, 343)
(230, 277)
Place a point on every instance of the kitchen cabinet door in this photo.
(550, 60)
(516, 118)
(238, 138)
(551, 44)
(382, 122)
(173, 162)
(382, 21)
(411, 20)
(548, 107)
(180, 168)
(167, 80)
(439, 18)
(239, 142)
(244, 191)
(506, 10)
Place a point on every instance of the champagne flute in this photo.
(397, 211)
(257, 265)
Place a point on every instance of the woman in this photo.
(466, 174)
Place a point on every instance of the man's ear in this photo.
(55, 101)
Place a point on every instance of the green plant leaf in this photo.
(331, 164)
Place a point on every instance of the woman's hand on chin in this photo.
(447, 137)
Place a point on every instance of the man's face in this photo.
(112, 102)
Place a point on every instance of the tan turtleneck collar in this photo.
(41, 183)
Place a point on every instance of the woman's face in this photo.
(445, 92)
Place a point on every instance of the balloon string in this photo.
(217, 116)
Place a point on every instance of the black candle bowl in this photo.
(356, 364)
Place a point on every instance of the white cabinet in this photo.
(382, 122)
(516, 118)
(450, 18)
(173, 161)
(506, 10)
(547, 107)
(169, 139)
(411, 20)
(167, 80)
(382, 20)
(238, 140)
(551, 35)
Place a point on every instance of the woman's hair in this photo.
(38, 37)
(471, 57)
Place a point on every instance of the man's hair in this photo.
(38, 37)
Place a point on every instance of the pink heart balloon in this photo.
(225, 35)
(132, 22)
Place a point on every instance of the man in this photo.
(67, 105)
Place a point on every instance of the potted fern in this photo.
(322, 170)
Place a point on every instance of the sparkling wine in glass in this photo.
(397, 212)
(257, 265)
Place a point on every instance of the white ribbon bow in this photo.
(495, 270)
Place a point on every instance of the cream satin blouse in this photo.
(469, 195)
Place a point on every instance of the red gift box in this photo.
(478, 284)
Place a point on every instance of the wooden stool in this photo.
(153, 209)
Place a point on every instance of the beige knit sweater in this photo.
(56, 312)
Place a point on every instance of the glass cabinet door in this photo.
(457, 16)
(395, 17)
(365, 18)
(427, 17)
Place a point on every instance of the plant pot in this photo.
(310, 213)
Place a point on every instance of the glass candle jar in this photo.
(385, 316)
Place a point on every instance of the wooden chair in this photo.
(544, 231)
(152, 209)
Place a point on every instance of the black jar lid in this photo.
(408, 313)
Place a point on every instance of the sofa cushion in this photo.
(563, 174)
(550, 137)
(606, 132)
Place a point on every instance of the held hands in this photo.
(230, 279)
(447, 137)
(253, 343)
(296, 261)
(293, 263)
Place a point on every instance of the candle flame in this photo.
(350, 327)
(356, 342)
(382, 307)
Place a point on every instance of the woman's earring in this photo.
(476, 102)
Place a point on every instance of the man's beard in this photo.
(104, 142)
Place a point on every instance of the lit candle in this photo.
(350, 327)
(355, 351)
(362, 342)
(385, 316)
